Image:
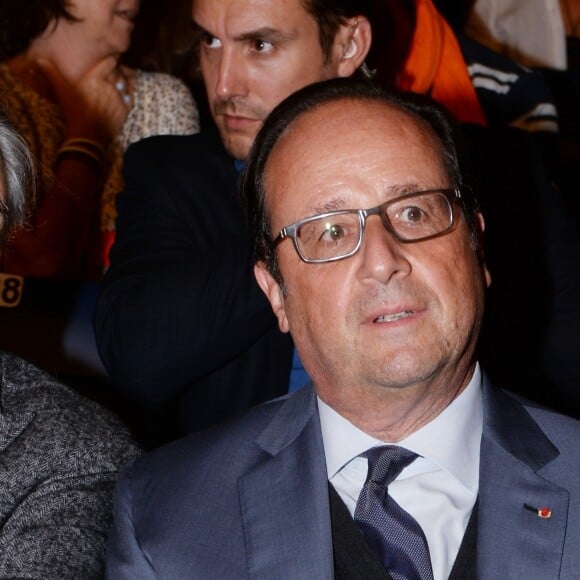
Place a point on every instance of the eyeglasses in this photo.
(335, 235)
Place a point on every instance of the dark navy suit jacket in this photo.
(250, 500)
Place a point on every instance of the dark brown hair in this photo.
(21, 21)
(331, 15)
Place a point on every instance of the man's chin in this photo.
(237, 144)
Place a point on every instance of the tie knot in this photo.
(386, 462)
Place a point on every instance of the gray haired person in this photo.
(59, 452)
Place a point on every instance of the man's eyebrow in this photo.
(267, 33)
(403, 189)
(334, 204)
(197, 32)
(198, 28)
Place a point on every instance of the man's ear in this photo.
(273, 292)
(352, 44)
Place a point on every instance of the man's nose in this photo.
(382, 256)
(232, 76)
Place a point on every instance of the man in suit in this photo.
(368, 249)
(181, 325)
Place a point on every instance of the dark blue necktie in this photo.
(389, 530)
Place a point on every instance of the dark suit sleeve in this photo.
(179, 300)
(125, 558)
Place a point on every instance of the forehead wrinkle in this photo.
(286, 169)
(337, 194)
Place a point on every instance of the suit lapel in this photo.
(284, 499)
(513, 541)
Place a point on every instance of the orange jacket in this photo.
(435, 66)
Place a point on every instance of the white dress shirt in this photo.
(438, 489)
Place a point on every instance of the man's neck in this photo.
(392, 414)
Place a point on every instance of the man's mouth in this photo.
(238, 122)
(394, 317)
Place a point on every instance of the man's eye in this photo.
(412, 214)
(210, 41)
(262, 46)
(333, 233)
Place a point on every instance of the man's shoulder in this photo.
(60, 426)
(181, 148)
(556, 426)
(197, 477)
(562, 430)
(232, 443)
(554, 433)
(237, 446)
(180, 162)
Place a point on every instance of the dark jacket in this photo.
(181, 324)
(59, 458)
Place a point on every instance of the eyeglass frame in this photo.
(289, 231)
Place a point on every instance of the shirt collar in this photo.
(451, 440)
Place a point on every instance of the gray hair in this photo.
(17, 178)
